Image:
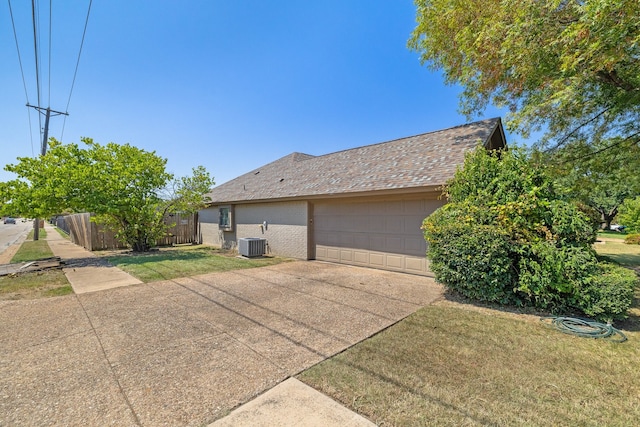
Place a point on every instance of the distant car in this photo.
(9, 220)
(617, 227)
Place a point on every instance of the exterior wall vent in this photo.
(252, 246)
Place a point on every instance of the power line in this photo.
(49, 77)
(15, 36)
(35, 48)
(75, 73)
(24, 81)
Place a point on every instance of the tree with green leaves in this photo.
(127, 188)
(568, 67)
(600, 175)
(630, 215)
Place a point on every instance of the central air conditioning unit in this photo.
(252, 246)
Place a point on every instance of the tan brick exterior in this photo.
(286, 230)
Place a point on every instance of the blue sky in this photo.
(230, 85)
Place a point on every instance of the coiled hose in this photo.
(585, 328)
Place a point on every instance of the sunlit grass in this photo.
(627, 255)
(32, 250)
(34, 285)
(450, 364)
(184, 262)
(611, 234)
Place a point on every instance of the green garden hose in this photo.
(586, 328)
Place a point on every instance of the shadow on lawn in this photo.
(630, 324)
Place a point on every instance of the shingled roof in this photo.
(416, 162)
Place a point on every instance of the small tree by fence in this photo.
(95, 237)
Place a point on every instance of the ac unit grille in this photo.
(252, 246)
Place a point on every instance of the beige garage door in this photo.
(379, 234)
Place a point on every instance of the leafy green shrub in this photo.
(632, 239)
(472, 259)
(609, 293)
(508, 236)
(550, 277)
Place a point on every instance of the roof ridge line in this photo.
(408, 137)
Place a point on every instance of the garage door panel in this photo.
(361, 240)
(378, 234)
(394, 244)
(347, 239)
(415, 265)
(393, 225)
(395, 261)
(376, 259)
(415, 246)
(412, 224)
(346, 256)
(373, 223)
(333, 254)
(321, 252)
(386, 261)
(377, 242)
(361, 257)
(412, 206)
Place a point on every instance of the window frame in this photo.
(225, 212)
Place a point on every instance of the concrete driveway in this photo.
(185, 352)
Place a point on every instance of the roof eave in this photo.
(430, 189)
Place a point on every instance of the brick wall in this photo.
(286, 230)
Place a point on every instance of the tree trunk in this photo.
(608, 217)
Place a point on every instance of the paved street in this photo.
(11, 235)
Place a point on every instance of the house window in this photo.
(225, 219)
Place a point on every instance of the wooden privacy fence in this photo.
(95, 237)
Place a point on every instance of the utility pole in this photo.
(43, 150)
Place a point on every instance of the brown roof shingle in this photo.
(419, 161)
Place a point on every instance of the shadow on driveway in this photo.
(186, 351)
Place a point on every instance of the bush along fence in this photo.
(94, 237)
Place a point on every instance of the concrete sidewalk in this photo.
(85, 271)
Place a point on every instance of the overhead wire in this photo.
(75, 73)
(34, 18)
(15, 36)
(24, 81)
(49, 76)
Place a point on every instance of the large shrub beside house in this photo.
(508, 236)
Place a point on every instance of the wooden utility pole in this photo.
(43, 150)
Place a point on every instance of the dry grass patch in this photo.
(34, 285)
(620, 252)
(448, 364)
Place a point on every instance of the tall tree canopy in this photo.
(570, 67)
(601, 181)
(128, 189)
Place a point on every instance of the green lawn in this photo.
(620, 252)
(34, 285)
(171, 263)
(611, 235)
(168, 263)
(30, 251)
